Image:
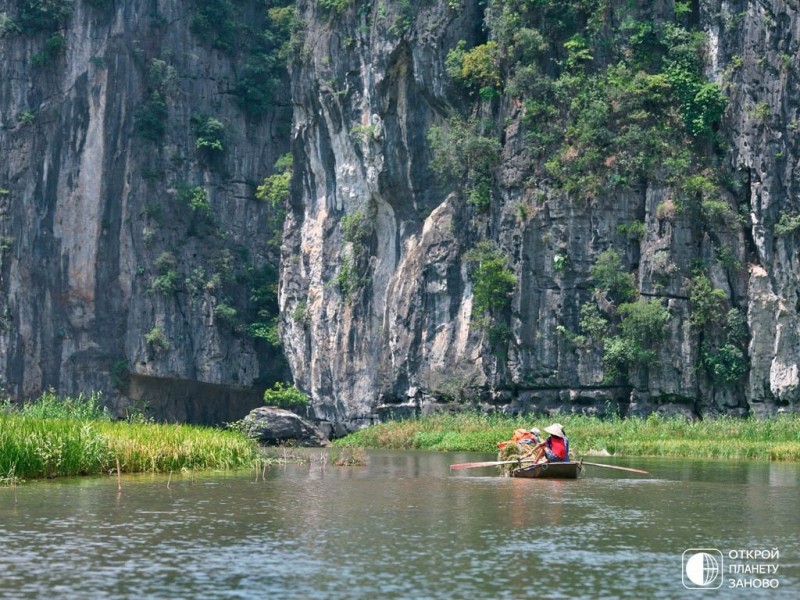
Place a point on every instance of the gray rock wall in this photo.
(100, 251)
(89, 205)
(763, 121)
(372, 84)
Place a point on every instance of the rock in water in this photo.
(270, 425)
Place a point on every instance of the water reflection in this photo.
(404, 527)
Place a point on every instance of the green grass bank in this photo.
(54, 437)
(776, 439)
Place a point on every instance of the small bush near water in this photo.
(723, 437)
(75, 436)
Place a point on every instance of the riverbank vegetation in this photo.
(723, 437)
(53, 437)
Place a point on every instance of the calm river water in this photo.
(403, 527)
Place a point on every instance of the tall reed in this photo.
(723, 437)
(77, 438)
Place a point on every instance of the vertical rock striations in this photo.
(756, 55)
(628, 170)
(576, 206)
(131, 238)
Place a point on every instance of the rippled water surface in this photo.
(404, 526)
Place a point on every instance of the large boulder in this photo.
(270, 426)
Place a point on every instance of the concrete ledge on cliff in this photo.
(271, 426)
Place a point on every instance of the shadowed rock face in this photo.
(387, 328)
(101, 245)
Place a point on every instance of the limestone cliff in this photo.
(576, 206)
(379, 278)
(131, 238)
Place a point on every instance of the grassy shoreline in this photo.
(731, 438)
(55, 437)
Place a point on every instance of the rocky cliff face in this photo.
(131, 238)
(763, 122)
(380, 280)
(576, 206)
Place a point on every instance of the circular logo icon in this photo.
(702, 568)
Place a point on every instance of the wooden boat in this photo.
(555, 470)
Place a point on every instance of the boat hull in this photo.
(556, 470)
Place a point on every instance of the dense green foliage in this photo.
(209, 132)
(722, 330)
(464, 157)
(258, 44)
(275, 188)
(642, 324)
(787, 224)
(731, 438)
(54, 47)
(54, 437)
(493, 284)
(609, 276)
(477, 69)
(284, 396)
(196, 199)
(613, 99)
(636, 115)
(355, 227)
(151, 117)
(492, 280)
(43, 15)
(157, 340)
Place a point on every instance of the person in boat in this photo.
(534, 438)
(555, 448)
(523, 439)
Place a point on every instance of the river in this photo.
(405, 526)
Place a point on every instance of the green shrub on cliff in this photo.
(721, 330)
(493, 282)
(706, 303)
(355, 227)
(196, 199)
(151, 117)
(465, 158)
(275, 188)
(477, 69)
(217, 22)
(43, 15)
(726, 363)
(166, 282)
(611, 100)
(609, 276)
(54, 47)
(284, 396)
(209, 132)
(787, 224)
(157, 340)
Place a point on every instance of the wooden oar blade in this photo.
(489, 463)
(473, 465)
(616, 467)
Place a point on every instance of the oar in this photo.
(616, 467)
(489, 463)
